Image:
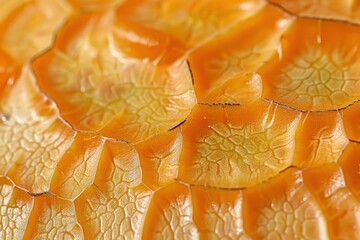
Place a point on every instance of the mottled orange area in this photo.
(119, 93)
(225, 68)
(283, 208)
(344, 10)
(170, 214)
(32, 137)
(95, 5)
(52, 217)
(232, 147)
(352, 121)
(28, 26)
(320, 139)
(193, 22)
(317, 67)
(76, 169)
(8, 73)
(218, 213)
(114, 206)
(350, 166)
(15, 207)
(340, 208)
(159, 159)
(180, 119)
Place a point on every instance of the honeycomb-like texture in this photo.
(179, 119)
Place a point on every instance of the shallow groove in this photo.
(284, 9)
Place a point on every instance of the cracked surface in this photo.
(236, 147)
(218, 213)
(99, 88)
(52, 218)
(32, 137)
(114, 205)
(170, 214)
(107, 217)
(282, 209)
(15, 209)
(317, 72)
(149, 119)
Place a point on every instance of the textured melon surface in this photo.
(179, 119)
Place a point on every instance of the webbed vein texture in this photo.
(286, 210)
(100, 88)
(32, 137)
(318, 72)
(236, 146)
(114, 206)
(179, 119)
(170, 214)
(15, 208)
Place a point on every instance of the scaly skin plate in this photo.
(179, 119)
